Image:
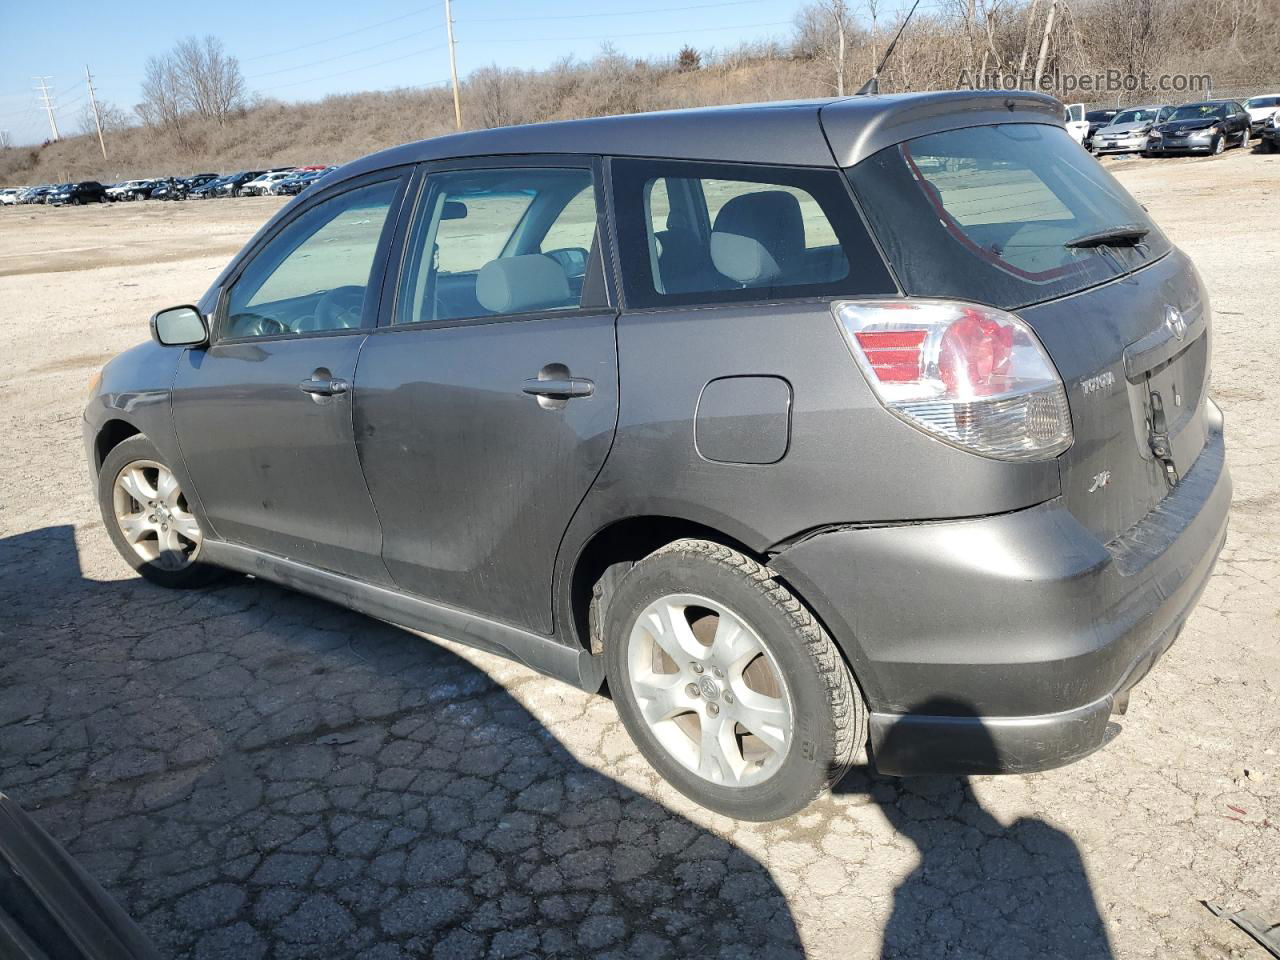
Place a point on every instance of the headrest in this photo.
(755, 233)
(519, 284)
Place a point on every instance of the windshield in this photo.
(1134, 116)
(1199, 111)
(986, 213)
(1253, 103)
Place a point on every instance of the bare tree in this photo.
(162, 103)
(210, 81)
(825, 33)
(6, 141)
(112, 117)
(197, 78)
(493, 90)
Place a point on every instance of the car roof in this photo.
(781, 132)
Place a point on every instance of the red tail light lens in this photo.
(971, 375)
(894, 355)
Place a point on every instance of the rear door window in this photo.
(704, 233)
(988, 213)
(496, 242)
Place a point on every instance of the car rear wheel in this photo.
(1244, 139)
(148, 518)
(727, 684)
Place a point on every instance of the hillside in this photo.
(1230, 41)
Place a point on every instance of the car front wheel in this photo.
(148, 518)
(1219, 145)
(727, 684)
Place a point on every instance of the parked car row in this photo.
(1210, 127)
(278, 181)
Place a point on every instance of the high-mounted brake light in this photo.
(971, 375)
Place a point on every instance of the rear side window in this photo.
(987, 213)
(498, 242)
(693, 233)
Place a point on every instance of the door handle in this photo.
(318, 387)
(563, 388)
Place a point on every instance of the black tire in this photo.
(1266, 146)
(136, 448)
(1219, 145)
(829, 719)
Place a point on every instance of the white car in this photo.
(1077, 125)
(9, 195)
(262, 184)
(124, 191)
(1261, 109)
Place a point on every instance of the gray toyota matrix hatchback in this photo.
(877, 421)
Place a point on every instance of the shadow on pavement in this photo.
(981, 889)
(254, 773)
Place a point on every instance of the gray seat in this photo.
(757, 236)
(531, 281)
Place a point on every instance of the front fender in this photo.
(137, 390)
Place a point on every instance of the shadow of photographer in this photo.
(981, 889)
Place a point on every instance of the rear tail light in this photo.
(973, 376)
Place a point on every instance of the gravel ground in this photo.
(258, 774)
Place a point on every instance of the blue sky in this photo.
(302, 51)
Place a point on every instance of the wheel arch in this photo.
(626, 540)
(110, 435)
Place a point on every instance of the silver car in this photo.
(1129, 130)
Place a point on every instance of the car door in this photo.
(263, 414)
(487, 399)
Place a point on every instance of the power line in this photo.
(340, 36)
(343, 56)
(616, 13)
(367, 66)
(653, 33)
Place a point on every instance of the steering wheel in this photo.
(340, 308)
(256, 325)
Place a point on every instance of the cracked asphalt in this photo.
(258, 774)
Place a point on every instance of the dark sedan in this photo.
(1208, 127)
(180, 188)
(231, 185)
(86, 191)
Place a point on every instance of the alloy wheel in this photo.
(709, 689)
(153, 515)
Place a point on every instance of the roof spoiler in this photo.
(872, 86)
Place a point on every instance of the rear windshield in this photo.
(986, 214)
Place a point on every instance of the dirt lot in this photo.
(258, 774)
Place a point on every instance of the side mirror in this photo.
(183, 326)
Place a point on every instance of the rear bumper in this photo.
(1001, 644)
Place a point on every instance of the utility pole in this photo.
(453, 63)
(93, 102)
(48, 105)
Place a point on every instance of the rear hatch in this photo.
(1016, 216)
(1134, 357)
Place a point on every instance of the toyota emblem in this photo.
(1176, 322)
